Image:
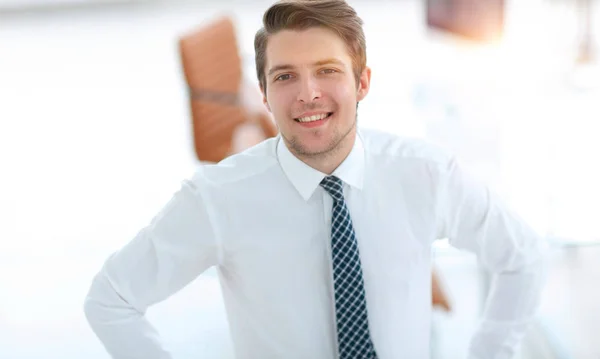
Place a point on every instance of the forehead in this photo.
(305, 47)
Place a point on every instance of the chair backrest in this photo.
(212, 68)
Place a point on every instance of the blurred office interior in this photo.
(95, 136)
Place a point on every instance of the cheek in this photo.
(344, 94)
(274, 100)
(279, 102)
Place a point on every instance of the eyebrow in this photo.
(318, 63)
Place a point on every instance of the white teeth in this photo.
(313, 118)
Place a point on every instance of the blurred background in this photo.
(96, 135)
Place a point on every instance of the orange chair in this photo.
(213, 71)
(439, 298)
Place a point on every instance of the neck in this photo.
(328, 162)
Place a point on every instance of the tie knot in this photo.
(334, 187)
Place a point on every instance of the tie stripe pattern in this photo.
(354, 339)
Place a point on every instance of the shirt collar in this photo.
(306, 179)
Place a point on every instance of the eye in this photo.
(329, 71)
(283, 77)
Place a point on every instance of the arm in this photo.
(474, 220)
(177, 246)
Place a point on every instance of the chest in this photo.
(285, 238)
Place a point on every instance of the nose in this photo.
(309, 90)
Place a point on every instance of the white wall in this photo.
(28, 5)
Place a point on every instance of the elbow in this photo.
(93, 302)
(91, 311)
(535, 259)
(530, 256)
(103, 305)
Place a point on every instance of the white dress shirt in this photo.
(263, 220)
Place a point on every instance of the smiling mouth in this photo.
(314, 118)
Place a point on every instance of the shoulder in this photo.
(401, 149)
(251, 163)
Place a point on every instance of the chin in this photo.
(312, 146)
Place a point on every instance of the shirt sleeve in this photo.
(473, 218)
(171, 251)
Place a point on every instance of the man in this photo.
(321, 235)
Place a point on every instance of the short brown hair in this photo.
(335, 15)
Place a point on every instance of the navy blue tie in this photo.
(354, 339)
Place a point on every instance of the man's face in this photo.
(311, 89)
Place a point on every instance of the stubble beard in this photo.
(331, 149)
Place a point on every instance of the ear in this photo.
(264, 98)
(364, 84)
